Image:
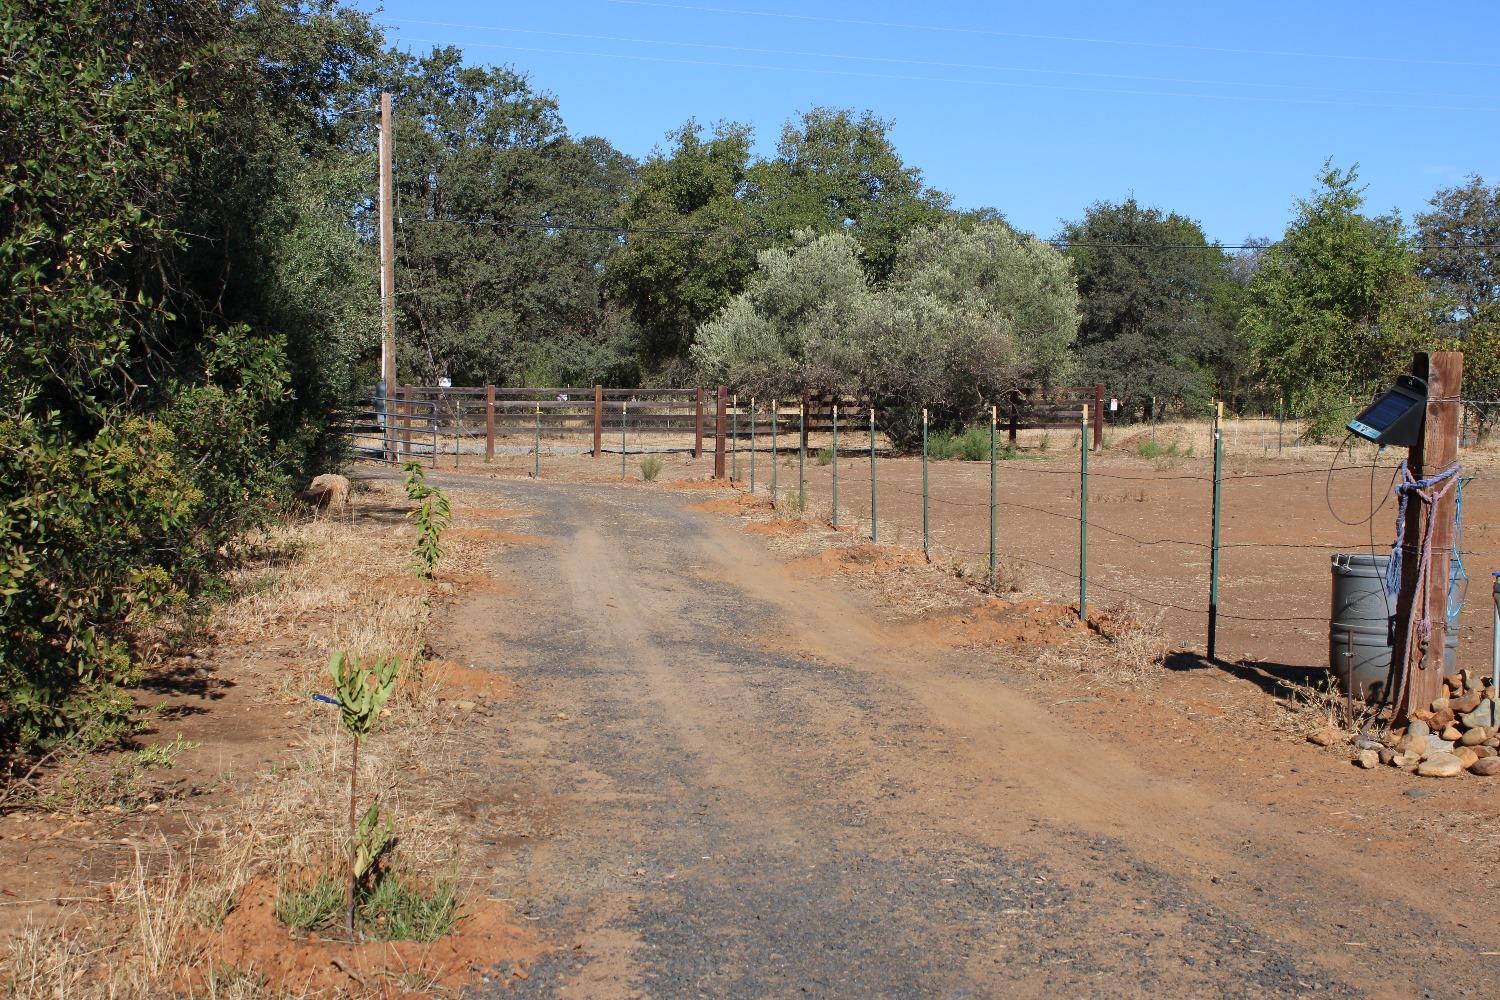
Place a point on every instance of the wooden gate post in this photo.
(489, 423)
(1415, 668)
(598, 420)
(698, 435)
(804, 419)
(721, 420)
(1098, 415)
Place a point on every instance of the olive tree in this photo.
(965, 317)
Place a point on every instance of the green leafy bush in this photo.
(1155, 449)
(972, 444)
(161, 221)
(650, 468)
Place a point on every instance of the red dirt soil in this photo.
(856, 559)
(777, 527)
(999, 622)
(254, 942)
(498, 537)
(740, 503)
(455, 677)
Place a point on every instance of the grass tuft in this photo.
(311, 907)
(650, 468)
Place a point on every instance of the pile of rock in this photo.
(1460, 732)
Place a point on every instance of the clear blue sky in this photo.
(1223, 112)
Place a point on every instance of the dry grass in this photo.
(1322, 707)
(1122, 650)
(341, 587)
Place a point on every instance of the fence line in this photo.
(845, 475)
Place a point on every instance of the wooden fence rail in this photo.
(490, 412)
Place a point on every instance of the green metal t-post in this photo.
(925, 538)
(873, 535)
(993, 430)
(536, 448)
(1213, 561)
(734, 438)
(624, 407)
(835, 465)
(1083, 520)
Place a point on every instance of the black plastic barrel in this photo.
(1359, 627)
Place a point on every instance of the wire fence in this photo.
(1245, 550)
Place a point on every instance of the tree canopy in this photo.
(493, 284)
(1336, 306)
(811, 318)
(1149, 282)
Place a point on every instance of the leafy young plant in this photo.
(362, 692)
(650, 468)
(432, 516)
(371, 838)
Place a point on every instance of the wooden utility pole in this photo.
(1417, 667)
(387, 255)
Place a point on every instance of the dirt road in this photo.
(725, 781)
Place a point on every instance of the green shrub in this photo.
(825, 456)
(1155, 449)
(650, 468)
(972, 444)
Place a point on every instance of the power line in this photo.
(1059, 243)
(968, 82)
(989, 67)
(1132, 43)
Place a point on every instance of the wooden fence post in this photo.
(804, 419)
(1098, 415)
(1417, 669)
(698, 435)
(720, 429)
(598, 420)
(489, 423)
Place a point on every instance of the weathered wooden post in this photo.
(598, 420)
(720, 429)
(1417, 666)
(698, 435)
(489, 423)
(1098, 415)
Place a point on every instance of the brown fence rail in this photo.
(417, 419)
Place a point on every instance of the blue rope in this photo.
(1430, 491)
